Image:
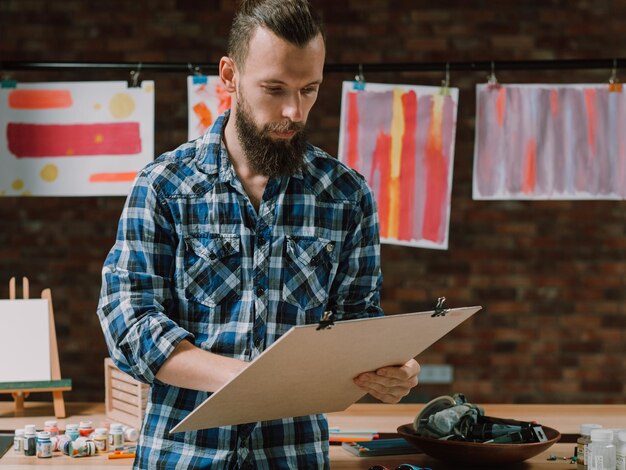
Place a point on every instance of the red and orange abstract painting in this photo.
(401, 139)
(537, 141)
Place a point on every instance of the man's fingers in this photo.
(387, 395)
(390, 384)
(408, 370)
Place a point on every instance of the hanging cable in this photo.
(212, 68)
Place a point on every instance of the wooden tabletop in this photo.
(564, 418)
(384, 418)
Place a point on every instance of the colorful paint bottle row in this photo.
(77, 441)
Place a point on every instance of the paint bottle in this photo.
(30, 440)
(18, 440)
(582, 452)
(44, 445)
(51, 427)
(130, 434)
(601, 450)
(71, 431)
(54, 443)
(116, 437)
(81, 447)
(101, 439)
(85, 429)
(64, 444)
(620, 451)
(60, 440)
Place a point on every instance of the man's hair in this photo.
(295, 21)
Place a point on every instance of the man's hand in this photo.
(390, 384)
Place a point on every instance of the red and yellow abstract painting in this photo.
(401, 139)
(74, 138)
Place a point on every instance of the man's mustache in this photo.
(287, 126)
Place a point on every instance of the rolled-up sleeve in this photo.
(136, 296)
(355, 292)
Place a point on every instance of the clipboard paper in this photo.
(309, 371)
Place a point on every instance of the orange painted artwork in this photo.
(207, 99)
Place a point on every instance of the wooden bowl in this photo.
(477, 453)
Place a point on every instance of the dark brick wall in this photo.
(551, 275)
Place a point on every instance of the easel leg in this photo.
(18, 398)
(59, 404)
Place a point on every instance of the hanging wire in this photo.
(213, 68)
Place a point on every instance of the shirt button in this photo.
(260, 291)
(261, 240)
(212, 256)
(258, 342)
(330, 247)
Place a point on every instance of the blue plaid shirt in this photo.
(194, 260)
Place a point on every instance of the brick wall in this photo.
(551, 275)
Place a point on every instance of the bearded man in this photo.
(228, 241)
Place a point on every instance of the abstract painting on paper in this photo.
(401, 139)
(74, 138)
(207, 99)
(550, 142)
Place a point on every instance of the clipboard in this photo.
(310, 370)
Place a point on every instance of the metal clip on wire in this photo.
(134, 76)
(7, 82)
(445, 83)
(359, 80)
(194, 70)
(614, 85)
(492, 81)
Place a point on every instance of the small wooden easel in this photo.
(21, 390)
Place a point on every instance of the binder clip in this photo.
(326, 323)
(198, 77)
(440, 310)
(492, 81)
(444, 90)
(134, 76)
(359, 80)
(7, 82)
(614, 85)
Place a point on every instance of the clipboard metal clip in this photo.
(326, 323)
(440, 310)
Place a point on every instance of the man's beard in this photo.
(267, 156)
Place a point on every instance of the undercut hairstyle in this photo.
(295, 21)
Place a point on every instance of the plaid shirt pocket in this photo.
(308, 264)
(212, 268)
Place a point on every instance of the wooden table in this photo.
(564, 418)
(384, 418)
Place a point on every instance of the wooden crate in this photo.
(125, 397)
